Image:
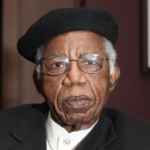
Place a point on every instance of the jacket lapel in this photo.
(30, 129)
(101, 135)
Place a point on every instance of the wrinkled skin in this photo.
(96, 87)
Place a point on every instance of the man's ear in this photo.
(37, 82)
(114, 77)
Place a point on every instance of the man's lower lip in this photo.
(77, 103)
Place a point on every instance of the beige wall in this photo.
(17, 84)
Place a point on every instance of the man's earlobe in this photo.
(37, 82)
(114, 77)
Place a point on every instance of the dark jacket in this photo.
(23, 128)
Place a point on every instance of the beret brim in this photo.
(64, 20)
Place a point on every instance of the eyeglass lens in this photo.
(87, 63)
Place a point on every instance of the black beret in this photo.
(64, 20)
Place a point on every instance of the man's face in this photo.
(76, 97)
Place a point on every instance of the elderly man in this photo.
(75, 72)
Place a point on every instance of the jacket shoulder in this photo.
(132, 132)
(118, 116)
(8, 117)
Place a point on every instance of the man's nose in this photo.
(74, 75)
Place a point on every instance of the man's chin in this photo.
(77, 118)
(74, 120)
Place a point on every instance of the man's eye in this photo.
(58, 64)
(89, 62)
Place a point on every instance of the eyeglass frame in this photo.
(105, 58)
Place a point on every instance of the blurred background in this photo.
(131, 95)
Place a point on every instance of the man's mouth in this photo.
(77, 101)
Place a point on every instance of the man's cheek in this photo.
(50, 88)
(100, 86)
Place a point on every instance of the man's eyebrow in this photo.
(85, 54)
(53, 56)
(60, 55)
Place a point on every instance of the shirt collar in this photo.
(56, 135)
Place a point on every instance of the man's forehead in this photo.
(64, 20)
(80, 36)
(77, 42)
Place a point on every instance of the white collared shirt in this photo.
(59, 139)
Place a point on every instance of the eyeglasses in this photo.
(88, 63)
